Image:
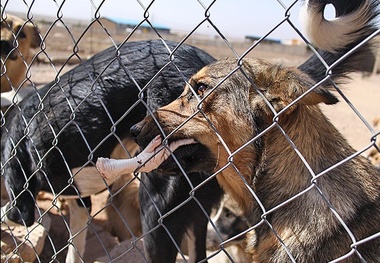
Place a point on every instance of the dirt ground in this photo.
(363, 95)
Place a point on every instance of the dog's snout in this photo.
(135, 130)
(5, 46)
(6, 49)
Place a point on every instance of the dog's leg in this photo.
(196, 244)
(161, 244)
(4, 218)
(88, 181)
(78, 219)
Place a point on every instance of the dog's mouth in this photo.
(188, 158)
(13, 56)
(191, 158)
(186, 151)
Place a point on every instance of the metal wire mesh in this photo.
(112, 229)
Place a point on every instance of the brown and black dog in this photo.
(307, 194)
(18, 38)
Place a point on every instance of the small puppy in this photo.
(228, 226)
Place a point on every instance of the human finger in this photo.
(176, 144)
(153, 144)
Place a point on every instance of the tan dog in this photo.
(124, 212)
(18, 38)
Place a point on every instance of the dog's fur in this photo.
(261, 132)
(18, 39)
(166, 222)
(51, 139)
(374, 154)
(123, 212)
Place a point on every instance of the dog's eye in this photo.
(19, 32)
(22, 35)
(200, 89)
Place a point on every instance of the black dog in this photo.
(187, 220)
(65, 126)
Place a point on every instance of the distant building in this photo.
(266, 40)
(289, 42)
(121, 26)
(293, 42)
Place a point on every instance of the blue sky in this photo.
(234, 18)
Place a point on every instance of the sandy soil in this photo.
(363, 94)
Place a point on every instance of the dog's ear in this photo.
(319, 95)
(281, 86)
(34, 34)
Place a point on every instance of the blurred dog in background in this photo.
(228, 224)
(18, 39)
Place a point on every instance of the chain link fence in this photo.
(72, 90)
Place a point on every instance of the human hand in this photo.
(149, 159)
(153, 155)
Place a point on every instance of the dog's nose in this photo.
(135, 130)
(5, 46)
(7, 50)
